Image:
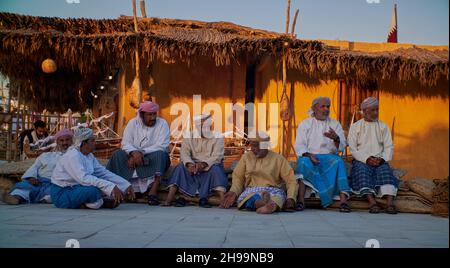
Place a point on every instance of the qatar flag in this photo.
(392, 36)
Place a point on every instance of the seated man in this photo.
(79, 180)
(201, 169)
(319, 139)
(31, 136)
(371, 145)
(143, 158)
(258, 180)
(35, 184)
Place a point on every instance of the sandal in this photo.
(204, 203)
(180, 202)
(300, 206)
(153, 200)
(374, 209)
(344, 208)
(391, 210)
(109, 203)
(165, 204)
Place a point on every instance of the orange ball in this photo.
(49, 66)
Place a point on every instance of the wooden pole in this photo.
(288, 12)
(16, 135)
(294, 23)
(133, 2)
(143, 13)
(284, 98)
(137, 86)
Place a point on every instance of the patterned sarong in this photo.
(329, 177)
(276, 194)
(367, 179)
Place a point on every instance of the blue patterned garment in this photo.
(36, 192)
(329, 177)
(74, 196)
(274, 192)
(203, 183)
(366, 179)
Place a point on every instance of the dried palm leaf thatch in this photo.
(85, 50)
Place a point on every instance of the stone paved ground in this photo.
(139, 225)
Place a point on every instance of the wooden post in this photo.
(143, 13)
(288, 14)
(294, 23)
(137, 81)
(16, 135)
(9, 140)
(69, 118)
(284, 97)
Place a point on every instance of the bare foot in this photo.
(269, 208)
(265, 198)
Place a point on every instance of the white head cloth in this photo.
(81, 134)
(315, 102)
(369, 102)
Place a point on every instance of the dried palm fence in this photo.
(12, 124)
(86, 50)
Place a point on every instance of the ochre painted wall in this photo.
(421, 134)
(421, 130)
(178, 82)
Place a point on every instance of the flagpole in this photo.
(396, 23)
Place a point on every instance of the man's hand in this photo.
(130, 163)
(314, 159)
(129, 193)
(289, 204)
(200, 166)
(138, 158)
(117, 195)
(192, 169)
(373, 161)
(228, 200)
(331, 134)
(33, 181)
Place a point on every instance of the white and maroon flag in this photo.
(392, 36)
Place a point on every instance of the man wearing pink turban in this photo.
(144, 155)
(35, 184)
(371, 146)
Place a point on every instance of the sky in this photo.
(424, 22)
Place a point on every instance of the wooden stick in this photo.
(288, 11)
(133, 2)
(294, 23)
(143, 13)
(136, 29)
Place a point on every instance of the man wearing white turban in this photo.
(201, 168)
(35, 185)
(144, 156)
(371, 146)
(319, 140)
(79, 180)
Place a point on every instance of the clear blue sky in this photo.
(420, 21)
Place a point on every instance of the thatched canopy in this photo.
(86, 50)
